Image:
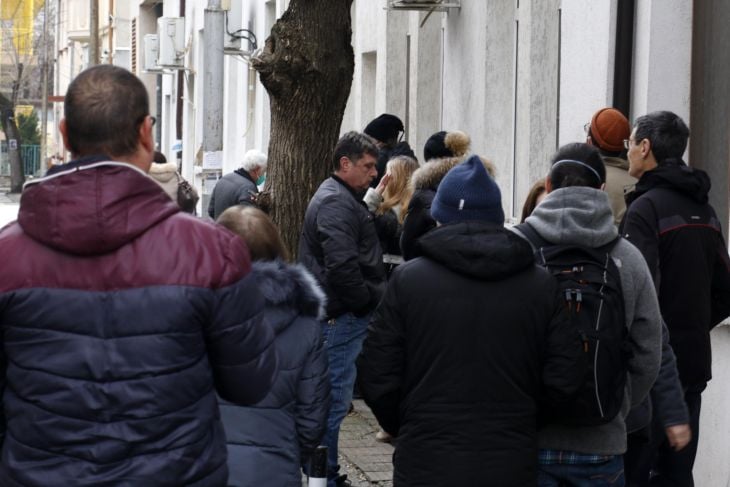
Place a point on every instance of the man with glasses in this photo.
(121, 317)
(671, 222)
(340, 246)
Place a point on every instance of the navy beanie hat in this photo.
(468, 193)
(384, 127)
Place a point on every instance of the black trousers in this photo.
(650, 461)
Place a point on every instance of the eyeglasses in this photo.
(140, 121)
(587, 128)
(627, 143)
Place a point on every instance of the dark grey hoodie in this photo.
(582, 215)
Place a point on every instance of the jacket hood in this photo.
(289, 286)
(575, 215)
(482, 250)
(676, 175)
(430, 174)
(92, 209)
(616, 162)
(163, 172)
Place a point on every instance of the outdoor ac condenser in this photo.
(171, 38)
(151, 50)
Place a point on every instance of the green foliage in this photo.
(28, 128)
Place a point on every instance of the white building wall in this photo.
(663, 55)
(712, 467)
(588, 40)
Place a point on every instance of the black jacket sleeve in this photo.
(338, 238)
(381, 364)
(417, 222)
(667, 396)
(246, 196)
(313, 398)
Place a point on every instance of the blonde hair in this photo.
(256, 228)
(400, 168)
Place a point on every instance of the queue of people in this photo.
(145, 346)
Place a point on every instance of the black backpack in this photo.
(590, 284)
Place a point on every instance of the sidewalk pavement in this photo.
(367, 462)
(8, 198)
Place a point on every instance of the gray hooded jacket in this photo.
(582, 215)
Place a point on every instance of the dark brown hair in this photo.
(104, 108)
(531, 202)
(353, 145)
(256, 228)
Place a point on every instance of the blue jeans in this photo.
(609, 473)
(343, 338)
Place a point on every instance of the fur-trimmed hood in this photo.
(163, 172)
(289, 286)
(430, 174)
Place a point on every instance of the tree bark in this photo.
(306, 67)
(9, 126)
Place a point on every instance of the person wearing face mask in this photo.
(241, 186)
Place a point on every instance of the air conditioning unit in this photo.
(151, 52)
(234, 22)
(171, 39)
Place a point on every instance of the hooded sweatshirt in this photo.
(582, 215)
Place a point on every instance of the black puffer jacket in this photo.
(340, 247)
(463, 346)
(671, 223)
(268, 441)
(418, 220)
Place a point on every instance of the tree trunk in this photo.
(9, 126)
(306, 67)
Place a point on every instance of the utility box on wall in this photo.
(151, 53)
(234, 22)
(171, 39)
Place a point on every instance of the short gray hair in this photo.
(254, 159)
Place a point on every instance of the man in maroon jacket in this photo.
(121, 316)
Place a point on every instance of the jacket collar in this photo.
(355, 194)
(242, 172)
(77, 163)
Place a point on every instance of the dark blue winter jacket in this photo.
(120, 317)
(268, 441)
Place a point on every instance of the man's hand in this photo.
(678, 435)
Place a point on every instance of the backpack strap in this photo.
(532, 236)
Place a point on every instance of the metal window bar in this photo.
(436, 6)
